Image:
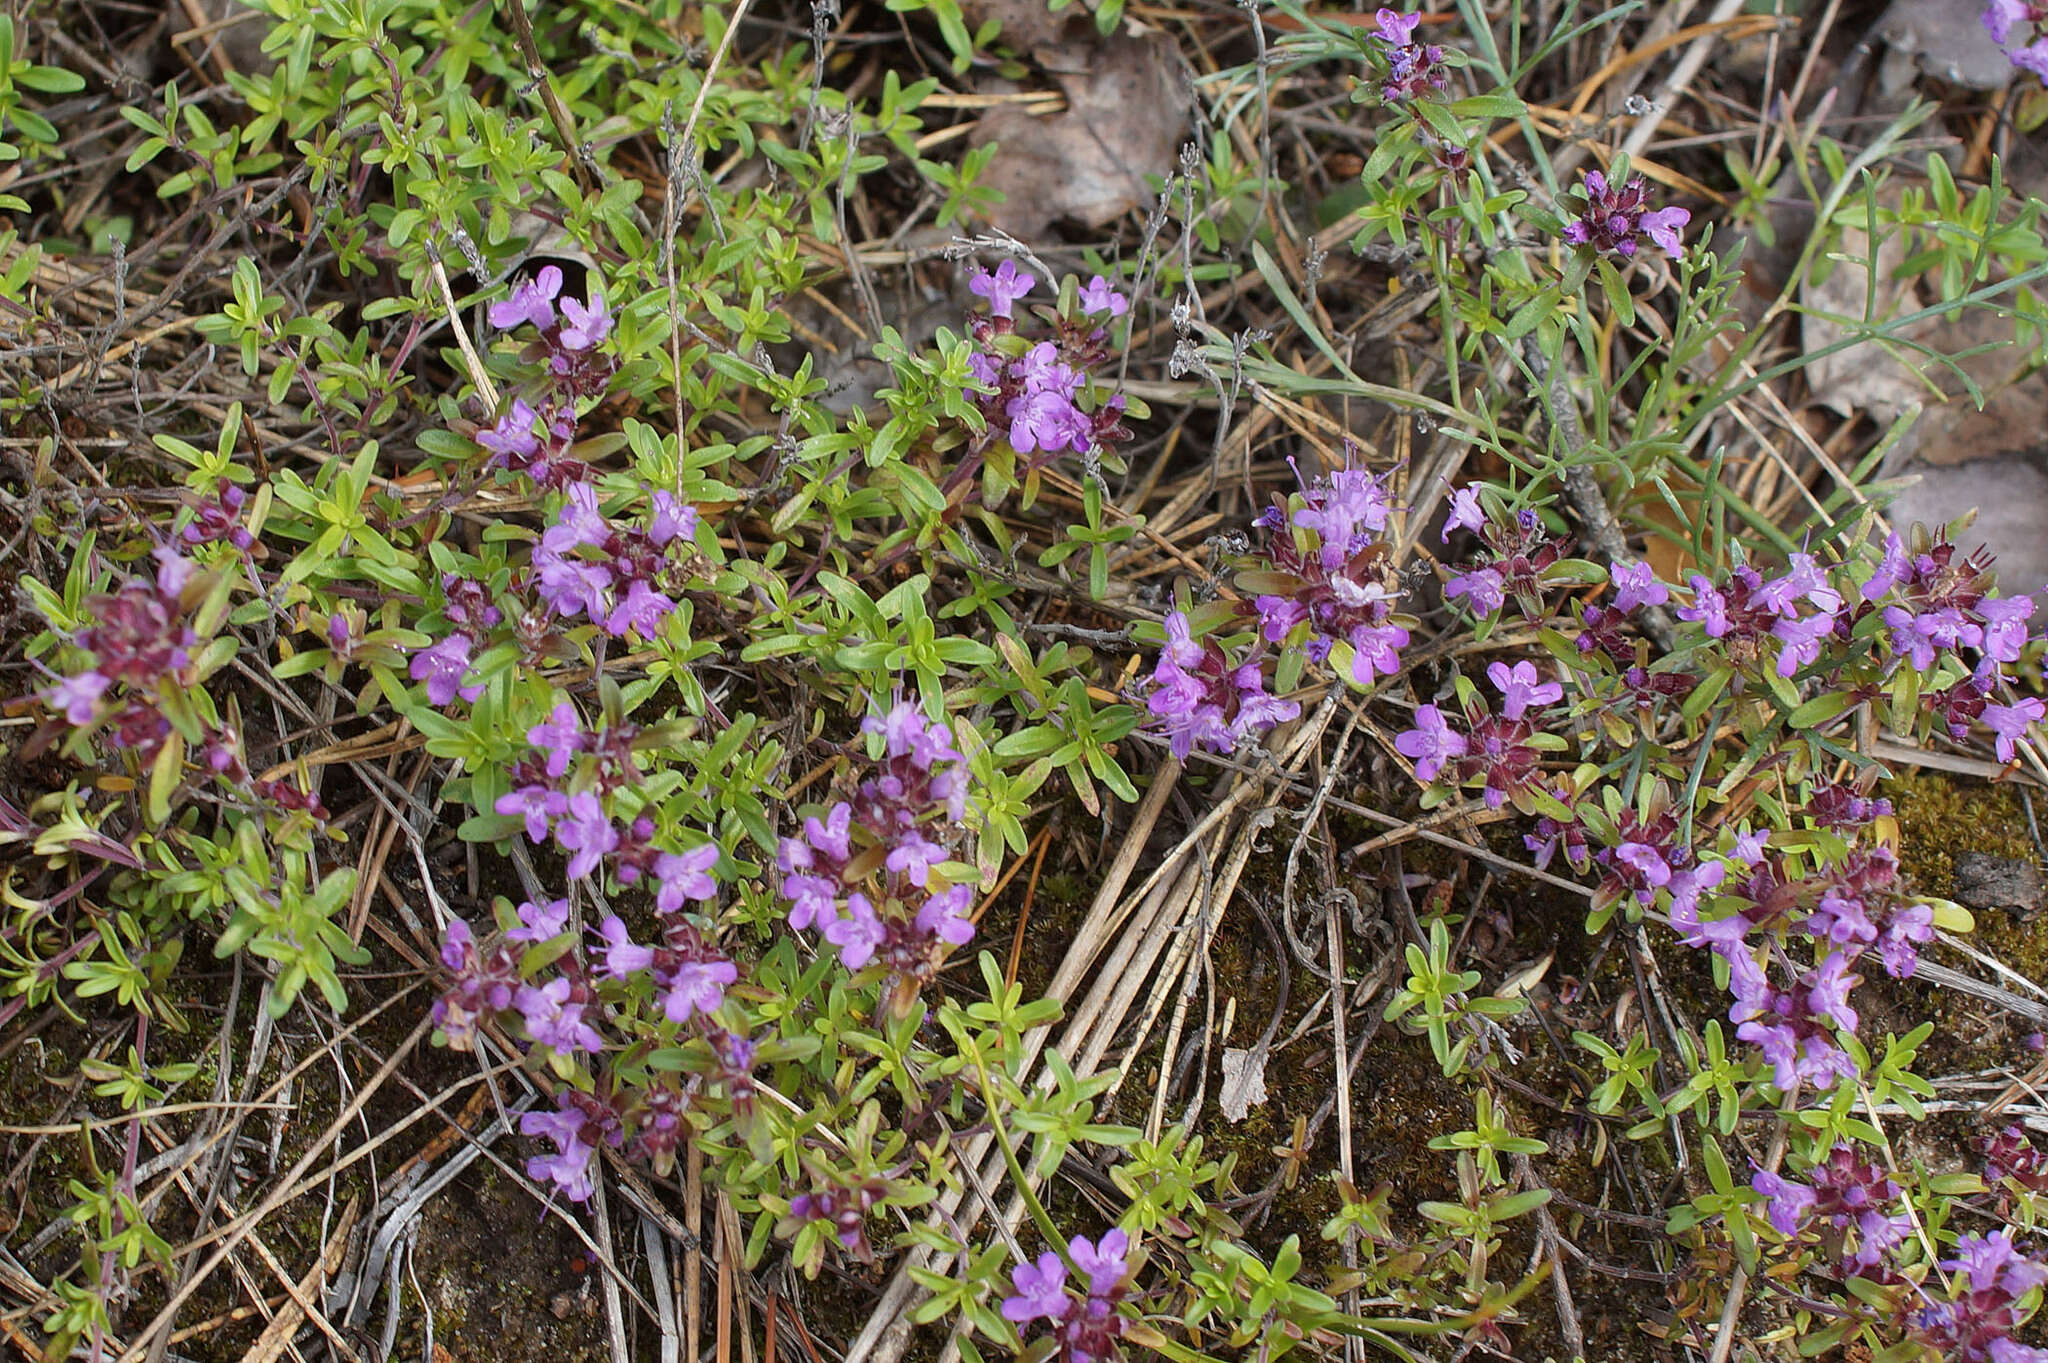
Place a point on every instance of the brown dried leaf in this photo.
(1946, 39)
(1027, 25)
(1126, 112)
(1244, 1082)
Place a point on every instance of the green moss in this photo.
(1940, 816)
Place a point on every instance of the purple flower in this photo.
(1661, 226)
(831, 838)
(1347, 516)
(1909, 926)
(1802, 639)
(532, 301)
(2005, 627)
(513, 438)
(560, 736)
(537, 805)
(1466, 512)
(1396, 29)
(673, 520)
(1828, 994)
(685, 875)
(584, 830)
(2008, 723)
(1790, 1202)
(1616, 215)
(914, 855)
(1895, 565)
(1098, 297)
(1841, 920)
(1647, 862)
(1481, 588)
(857, 933)
(697, 987)
(1103, 1262)
(813, 900)
(1520, 688)
(443, 666)
(1708, 607)
(539, 922)
(571, 587)
(1374, 648)
(1636, 584)
(1046, 419)
(944, 915)
(623, 957)
(78, 697)
(569, 1169)
(1804, 580)
(1041, 1290)
(642, 610)
(2001, 16)
(586, 325)
(1412, 68)
(1001, 289)
(554, 1022)
(1430, 743)
(1993, 1261)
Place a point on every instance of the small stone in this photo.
(1983, 881)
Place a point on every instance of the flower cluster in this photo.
(562, 785)
(2010, 1155)
(1976, 1324)
(569, 342)
(537, 438)
(606, 989)
(1038, 394)
(1937, 603)
(1754, 617)
(1086, 1324)
(481, 985)
(1326, 579)
(585, 565)
(218, 518)
(1850, 1200)
(845, 1208)
(1413, 68)
(140, 639)
(868, 873)
(1617, 217)
(1647, 856)
(2023, 22)
(445, 664)
(1502, 748)
(1518, 554)
(1203, 699)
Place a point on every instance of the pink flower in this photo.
(1466, 512)
(586, 325)
(1430, 743)
(444, 667)
(532, 301)
(1636, 584)
(1520, 687)
(2009, 723)
(857, 934)
(1003, 288)
(1098, 296)
(686, 875)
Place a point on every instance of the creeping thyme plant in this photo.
(751, 772)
